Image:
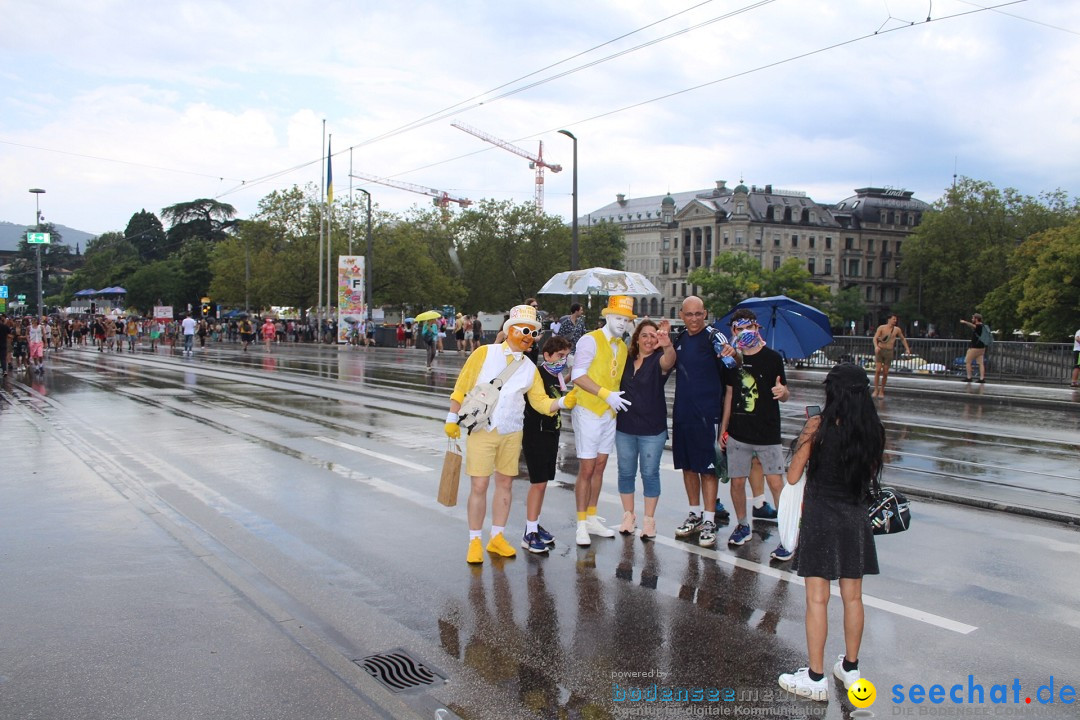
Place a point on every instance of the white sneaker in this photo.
(799, 682)
(582, 536)
(848, 677)
(596, 526)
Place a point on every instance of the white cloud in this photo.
(238, 90)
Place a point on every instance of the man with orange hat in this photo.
(598, 367)
(496, 447)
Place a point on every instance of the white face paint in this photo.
(617, 324)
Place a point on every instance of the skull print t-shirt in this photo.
(755, 414)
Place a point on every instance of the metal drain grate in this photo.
(398, 671)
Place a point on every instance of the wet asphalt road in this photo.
(222, 536)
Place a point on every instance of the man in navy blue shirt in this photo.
(699, 405)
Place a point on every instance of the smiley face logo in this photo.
(862, 693)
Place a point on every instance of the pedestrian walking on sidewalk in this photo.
(841, 451)
(187, 325)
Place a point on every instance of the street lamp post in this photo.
(38, 192)
(573, 221)
(367, 259)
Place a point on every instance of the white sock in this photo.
(531, 526)
(474, 535)
(759, 501)
(696, 509)
(710, 517)
(497, 529)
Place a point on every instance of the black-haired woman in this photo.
(841, 450)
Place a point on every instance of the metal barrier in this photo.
(1044, 362)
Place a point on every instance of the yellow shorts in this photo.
(487, 451)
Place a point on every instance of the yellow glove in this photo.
(568, 401)
(451, 428)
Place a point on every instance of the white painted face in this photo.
(618, 325)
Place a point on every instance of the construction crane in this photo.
(536, 162)
(442, 198)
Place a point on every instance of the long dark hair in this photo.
(851, 420)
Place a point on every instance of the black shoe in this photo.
(721, 512)
(980, 381)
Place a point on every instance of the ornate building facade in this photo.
(857, 242)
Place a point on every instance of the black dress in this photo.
(835, 538)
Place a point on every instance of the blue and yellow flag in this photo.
(329, 174)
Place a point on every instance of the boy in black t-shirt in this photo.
(540, 444)
(751, 424)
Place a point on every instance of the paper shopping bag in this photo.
(451, 474)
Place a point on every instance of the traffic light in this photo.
(207, 308)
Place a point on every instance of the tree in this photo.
(203, 219)
(733, 277)
(154, 284)
(22, 275)
(794, 280)
(146, 233)
(960, 252)
(1043, 292)
(846, 306)
(108, 261)
(602, 245)
(508, 252)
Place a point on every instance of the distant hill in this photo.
(11, 234)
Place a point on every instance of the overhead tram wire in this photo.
(724, 79)
(457, 107)
(463, 106)
(121, 162)
(851, 41)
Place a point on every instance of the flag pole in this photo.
(322, 218)
(331, 277)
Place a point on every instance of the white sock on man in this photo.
(497, 530)
(532, 526)
(710, 516)
(474, 535)
(759, 501)
(696, 509)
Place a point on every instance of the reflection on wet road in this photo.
(314, 471)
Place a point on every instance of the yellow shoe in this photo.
(498, 546)
(476, 552)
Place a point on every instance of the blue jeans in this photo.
(189, 341)
(643, 449)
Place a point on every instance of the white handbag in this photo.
(480, 402)
(789, 514)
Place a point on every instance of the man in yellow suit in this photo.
(496, 447)
(598, 367)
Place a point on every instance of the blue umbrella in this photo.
(791, 328)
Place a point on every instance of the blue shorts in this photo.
(693, 446)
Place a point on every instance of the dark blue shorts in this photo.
(693, 446)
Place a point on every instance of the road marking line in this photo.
(784, 575)
(372, 453)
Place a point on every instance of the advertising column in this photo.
(351, 308)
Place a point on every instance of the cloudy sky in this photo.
(117, 105)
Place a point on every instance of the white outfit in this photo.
(509, 413)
